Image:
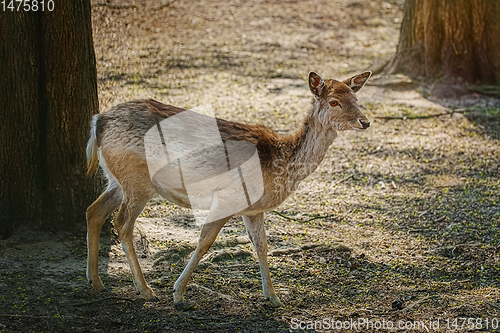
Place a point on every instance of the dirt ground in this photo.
(406, 213)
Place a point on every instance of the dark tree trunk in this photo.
(456, 41)
(48, 94)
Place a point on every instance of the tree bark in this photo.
(456, 41)
(48, 94)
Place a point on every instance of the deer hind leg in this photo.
(97, 213)
(132, 205)
(208, 234)
(257, 233)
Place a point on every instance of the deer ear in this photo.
(316, 83)
(358, 81)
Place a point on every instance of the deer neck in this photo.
(308, 147)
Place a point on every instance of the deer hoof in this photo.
(154, 299)
(181, 305)
(97, 285)
(275, 302)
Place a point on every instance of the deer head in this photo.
(335, 102)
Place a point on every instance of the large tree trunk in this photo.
(48, 94)
(456, 41)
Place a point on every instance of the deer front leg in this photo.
(207, 237)
(257, 233)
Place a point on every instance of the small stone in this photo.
(397, 304)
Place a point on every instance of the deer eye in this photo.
(334, 103)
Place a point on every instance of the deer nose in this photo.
(365, 124)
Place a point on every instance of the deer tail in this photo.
(92, 159)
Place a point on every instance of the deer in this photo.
(116, 144)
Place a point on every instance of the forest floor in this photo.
(404, 213)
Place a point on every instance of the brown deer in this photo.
(117, 144)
